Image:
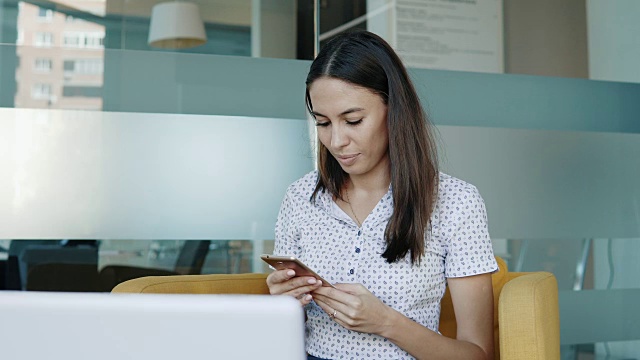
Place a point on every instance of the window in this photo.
(71, 19)
(69, 66)
(43, 65)
(81, 91)
(43, 39)
(92, 40)
(71, 40)
(84, 66)
(45, 15)
(95, 40)
(41, 91)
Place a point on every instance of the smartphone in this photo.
(291, 262)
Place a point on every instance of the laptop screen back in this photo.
(79, 326)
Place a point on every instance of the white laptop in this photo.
(81, 326)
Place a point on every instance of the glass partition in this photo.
(127, 159)
(100, 265)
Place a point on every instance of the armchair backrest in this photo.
(197, 284)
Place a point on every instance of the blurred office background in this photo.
(121, 159)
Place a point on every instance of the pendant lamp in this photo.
(176, 25)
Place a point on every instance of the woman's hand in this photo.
(355, 308)
(285, 282)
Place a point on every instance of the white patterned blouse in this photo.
(325, 238)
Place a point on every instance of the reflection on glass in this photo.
(99, 265)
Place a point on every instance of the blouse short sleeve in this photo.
(469, 250)
(286, 232)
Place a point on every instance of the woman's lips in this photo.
(347, 160)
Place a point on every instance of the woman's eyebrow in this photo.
(346, 112)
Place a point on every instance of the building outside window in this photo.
(43, 65)
(43, 39)
(71, 40)
(94, 40)
(45, 15)
(91, 40)
(84, 66)
(41, 91)
(43, 77)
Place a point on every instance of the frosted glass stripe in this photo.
(74, 174)
(550, 184)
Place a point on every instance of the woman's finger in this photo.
(334, 297)
(296, 292)
(331, 307)
(305, 299)
(284, 282)
(280, 276)
(324, 306)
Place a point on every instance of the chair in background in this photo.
(526, 318)
(68, 266)
(189, 262)
(13, 279)
(4, 254)
(567, 259)
(191, 257)
(63, 277)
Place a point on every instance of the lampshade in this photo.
(176, 25)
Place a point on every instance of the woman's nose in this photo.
(338, 137)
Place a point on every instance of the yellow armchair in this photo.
(526, 320)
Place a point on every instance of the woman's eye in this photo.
(354, 122)
(322, 123)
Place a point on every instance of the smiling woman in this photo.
(380, 222)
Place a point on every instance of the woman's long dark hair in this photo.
(366, 60)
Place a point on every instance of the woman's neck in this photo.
(375, 181)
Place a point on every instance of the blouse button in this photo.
(359, 232)
(351, 271)
(358, 250)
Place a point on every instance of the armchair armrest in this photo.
(529, 318)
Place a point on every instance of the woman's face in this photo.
(352, 125)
